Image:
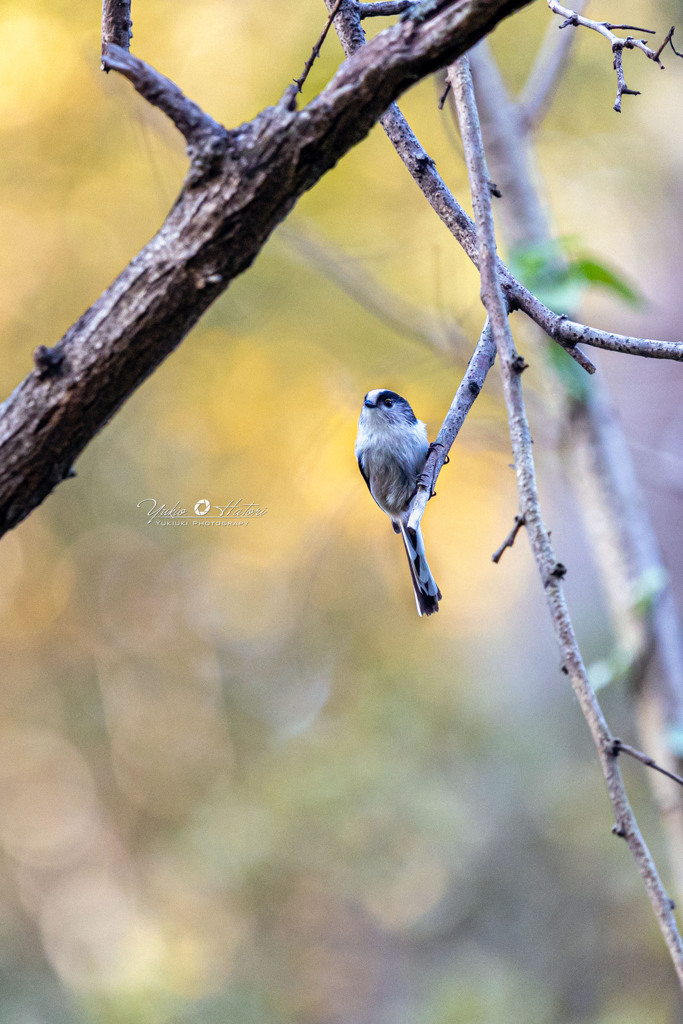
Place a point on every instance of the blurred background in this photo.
(240, 779)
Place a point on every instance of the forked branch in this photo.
(618, 43)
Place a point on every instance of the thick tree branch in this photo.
(529, 508)
(241, 184)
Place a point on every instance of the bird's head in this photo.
(383, 406)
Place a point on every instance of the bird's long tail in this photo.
(427, 594)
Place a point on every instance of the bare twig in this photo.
(629, 28)
(622, 88)
(668, 39)
(315, 53)
(618, 44)
(509, 540)
(471, 384)
(492, 296)
(561, 327)
(517, 176)
(620, 747)
(444, 95)
(116, 25)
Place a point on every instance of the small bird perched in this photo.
(391, 448)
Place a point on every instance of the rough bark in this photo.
(240, 185)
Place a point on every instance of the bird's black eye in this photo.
(388, 402)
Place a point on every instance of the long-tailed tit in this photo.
(391, 448)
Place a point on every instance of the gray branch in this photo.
(423, 170)
(383, 8)
(550, 570)
(649, 639)
(468, 391)
(116, 24)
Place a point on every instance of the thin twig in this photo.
(471, 384)
(520, 521)
(444, 95)
(629, 28)
(623, 748)
(493, 298)
(617, 43)
(315, 53)
(668, 40)
(622, 88)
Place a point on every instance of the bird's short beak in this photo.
(369, 405)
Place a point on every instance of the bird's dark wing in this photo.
(363, 473)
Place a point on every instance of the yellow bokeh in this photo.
(240, 778)
(40, 66)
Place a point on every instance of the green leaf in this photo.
(648, 587)
(591, 271)
(559, 272)
(611, 669)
